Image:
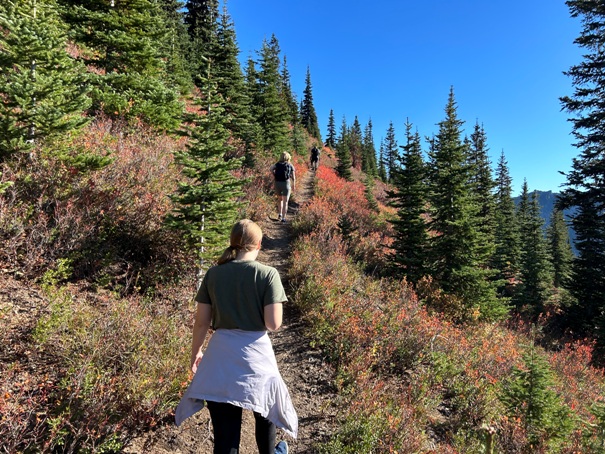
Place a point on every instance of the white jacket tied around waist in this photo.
(239, 368)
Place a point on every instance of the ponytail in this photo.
(245, 235)
(228, 255)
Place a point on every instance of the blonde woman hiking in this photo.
(240, 299)
(285, 182)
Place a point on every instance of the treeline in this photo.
(165, 65)
(175, 68)
(457, 223)
(409, 379)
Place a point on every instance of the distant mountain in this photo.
(547, 200)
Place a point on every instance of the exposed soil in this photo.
(308, 377)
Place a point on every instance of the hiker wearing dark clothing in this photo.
(285, 183)
(314, 157)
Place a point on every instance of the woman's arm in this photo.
(273, 316)
(203, 318)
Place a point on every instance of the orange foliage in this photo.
(388, 349)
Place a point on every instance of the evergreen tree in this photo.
(560, 249)
(382, 170)
(124, 41)
(391, 155)
(483, 184)
(369, 186)
(308, 117)
(230, 82)
(409, 198)
(206, 202)
(252, 93)
(201, 20)
(343, 156)
(176, 46)
(528, 395)
(268, 107)
(535, 268)
(585, 185)
(43, 89)
(594, 433)
(368, 164)
(299, 139)
(355, 144)
(457, 252)
(331, 139)
(289, 98)
(507, 250)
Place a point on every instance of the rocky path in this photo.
(303, 369)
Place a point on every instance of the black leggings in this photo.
(227, 426)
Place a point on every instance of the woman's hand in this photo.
(196, 361)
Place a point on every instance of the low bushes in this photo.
(409, 380)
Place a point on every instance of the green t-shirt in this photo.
(238, 292)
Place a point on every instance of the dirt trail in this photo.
(308, 378)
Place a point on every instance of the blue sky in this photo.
(392, 60)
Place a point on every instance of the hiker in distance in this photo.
(284, 173)
(314, 157)
(240, 299)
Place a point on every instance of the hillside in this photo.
(364, 355)
(424, 314)
(27, 366)
(304, 369)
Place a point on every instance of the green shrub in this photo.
(121, 367)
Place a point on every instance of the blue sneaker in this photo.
(281, 448)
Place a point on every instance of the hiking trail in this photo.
(308, 377)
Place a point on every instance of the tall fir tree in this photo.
(267, 104)
(585, 185)
(391, 152)
(289, 98)
(308, 116)
(369, 186)
(43, 89)
(343, 155)
(483, 184)
(177, 46)
(206, 202)
(201, 20)
(559, 245)
(331, 137)
(507, 251)
(123, 42)
(409, 198)
(534, 290)
(230, 82)
(299, 139)
(457, 252)
(355, 141)
(253, 93)
(382, 169)
(368, 163)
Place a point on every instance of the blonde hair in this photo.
(285, 157)
(245, 236)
